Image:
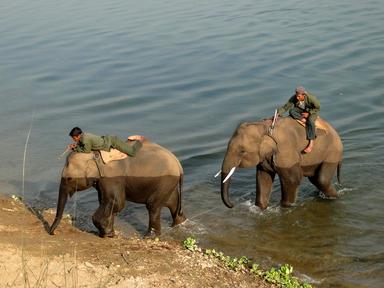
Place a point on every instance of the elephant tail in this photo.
(180, 190)
(339, 172)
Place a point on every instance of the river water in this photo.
(184, 74)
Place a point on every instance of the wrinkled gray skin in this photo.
(153, 177)
(281, 154)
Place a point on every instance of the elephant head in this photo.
(79, 173)
(248, 146)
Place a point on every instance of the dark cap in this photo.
(301, 89)
(76, 131)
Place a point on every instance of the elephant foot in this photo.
(287, 204)
(152, 233)
(329, 195)
(262, 206)
(178, 220)
(109, 235)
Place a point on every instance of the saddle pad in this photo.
(319, 124)
(112, 155)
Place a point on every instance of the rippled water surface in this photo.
(185, 73)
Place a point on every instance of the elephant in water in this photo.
(280, 152)
(153, 177)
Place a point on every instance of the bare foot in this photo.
(136, 138)
(309, 148)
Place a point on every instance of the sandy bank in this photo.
(29, 257)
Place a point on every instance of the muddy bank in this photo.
(29, 257)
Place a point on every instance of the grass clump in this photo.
(281, 277)
(235, 264)
(191, 244)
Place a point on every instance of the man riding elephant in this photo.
(153, 177)
(87, 142)
(305, 107)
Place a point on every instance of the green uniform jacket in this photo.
(312, 105)
(90, 142)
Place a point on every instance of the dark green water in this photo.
(185, 73)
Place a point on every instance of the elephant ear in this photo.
(287, 154)
(267, 147)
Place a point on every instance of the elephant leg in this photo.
(288, 193)
(289, 180)
(172, 205)
(264, 181)
(112, 201)
(103, 219)
(323, 179)
(154, 226)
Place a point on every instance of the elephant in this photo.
(279, 151)
(153, 177)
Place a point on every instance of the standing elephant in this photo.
(280, 153)
(153, 177)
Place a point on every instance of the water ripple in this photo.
(186, 74)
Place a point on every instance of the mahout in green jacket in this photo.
(87, 142)
(305, 107)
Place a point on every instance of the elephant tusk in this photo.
(229, 174)
(217, 174)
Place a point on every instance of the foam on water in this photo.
(190, 227)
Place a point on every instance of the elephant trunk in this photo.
(228, 168)
(63, 196)
(224, 190)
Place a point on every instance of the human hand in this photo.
(305, 114)
(71, 146)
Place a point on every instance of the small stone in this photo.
(88, 265)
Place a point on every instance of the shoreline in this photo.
(73, 258)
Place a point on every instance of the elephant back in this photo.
(152, 160)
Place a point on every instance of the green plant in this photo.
(190, 244)
(255, 270)
(232, 263)
(282, 277)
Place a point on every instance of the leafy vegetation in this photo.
(191, 244)
(282, 277)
